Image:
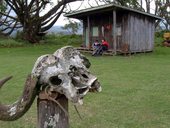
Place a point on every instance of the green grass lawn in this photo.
(136, 89)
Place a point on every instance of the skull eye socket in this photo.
(73, 68)
(85, 76)
(55, 80)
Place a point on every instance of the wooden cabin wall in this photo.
(138, 31)
(120, 28)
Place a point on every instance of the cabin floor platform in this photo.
(87, 50)
(112, 52)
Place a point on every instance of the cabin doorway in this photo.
(108, 35)
(119, 37)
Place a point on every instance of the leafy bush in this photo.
(9, 42)
(160, 33)
(158, 41)
(19, 36)
(159, 37)
(74, 40)
(52, 39)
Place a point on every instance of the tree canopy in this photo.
(72, 26)
(27, 14)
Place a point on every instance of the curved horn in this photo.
(4, 80)
(19, 108)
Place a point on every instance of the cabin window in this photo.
(103, 31)
(119, 30)
(95, 31)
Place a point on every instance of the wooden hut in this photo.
(126, 29)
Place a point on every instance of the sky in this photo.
(61, 21)
(74, 5)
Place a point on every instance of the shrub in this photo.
(9, 42)
(158, 41)
(19, 35)
(159, 37)
(160, 33)
(74, 40)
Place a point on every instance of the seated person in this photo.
(95, 45)
(105, 45)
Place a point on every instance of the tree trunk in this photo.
(50, 115)
(31, 31)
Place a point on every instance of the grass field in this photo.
(136, 89)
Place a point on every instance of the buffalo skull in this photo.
(64, 72)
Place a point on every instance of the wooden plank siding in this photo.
(139, 33)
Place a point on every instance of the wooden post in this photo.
(88, 27)
(50, 115)
(114, 32)
(84, 34)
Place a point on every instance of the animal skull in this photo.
(66, 73)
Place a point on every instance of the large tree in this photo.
(158, 7)
(30, 15)
(72, 26)
(162, 8)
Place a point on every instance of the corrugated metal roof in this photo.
(108, 7)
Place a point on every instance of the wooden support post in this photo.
(114, 32)
(88, 29)
(50, 115)
(84, 33)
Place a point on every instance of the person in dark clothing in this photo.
(95, 45)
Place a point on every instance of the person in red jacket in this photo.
(105, 45)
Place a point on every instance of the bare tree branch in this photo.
(53, 22)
